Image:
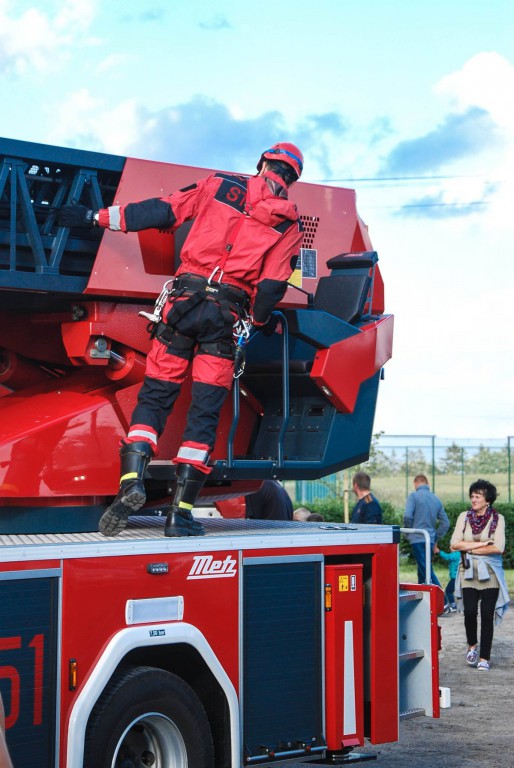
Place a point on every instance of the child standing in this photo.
(453, 560)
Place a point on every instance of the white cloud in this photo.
(201, 132)
(468, 152)
(34, 40)
(86, 122)
(449, 283)
(487, 81)
(116, 62)
(75, 15)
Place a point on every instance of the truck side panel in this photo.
(95, 596)
(29, 641)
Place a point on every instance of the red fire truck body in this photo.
(293, 639)
(73, 346)
(261, 643)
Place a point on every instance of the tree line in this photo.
(454, 460)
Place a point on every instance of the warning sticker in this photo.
(344, 583)
(296, 277)
(348, 583)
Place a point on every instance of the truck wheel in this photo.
(148, 717)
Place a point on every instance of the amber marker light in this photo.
(72, 674)
(328, 597)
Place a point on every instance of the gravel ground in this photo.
(477, 731)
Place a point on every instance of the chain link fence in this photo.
(450, 463)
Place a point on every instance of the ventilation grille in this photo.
(310, 225)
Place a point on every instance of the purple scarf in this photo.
(479, 522)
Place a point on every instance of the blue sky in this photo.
(410, 103)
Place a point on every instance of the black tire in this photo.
(148, 717)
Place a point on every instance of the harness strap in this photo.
(222, 348)
(195, 289)
(217, 291)
(167, 334)
(182, 308)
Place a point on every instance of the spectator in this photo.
(424, 510)
(301, 514)
(316, 517)
(453, 560)
(367, 509)
(270, 502)
(479, 536)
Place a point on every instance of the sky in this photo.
(410, 103)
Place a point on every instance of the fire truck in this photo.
(261, 643)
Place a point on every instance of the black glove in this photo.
(269, 327)
(75, 216)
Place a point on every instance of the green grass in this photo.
(409, 575)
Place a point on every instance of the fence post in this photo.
(462, 474)
(406, 470)
(433, 463)
(509, 466)
(346, 497)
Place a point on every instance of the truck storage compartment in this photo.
(28, 663)
(282, 701)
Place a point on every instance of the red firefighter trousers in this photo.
(201, 338)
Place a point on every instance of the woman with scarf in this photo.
(479, 536)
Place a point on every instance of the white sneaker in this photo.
(472, 656)
(483, 665)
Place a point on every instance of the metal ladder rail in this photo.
(22, 193)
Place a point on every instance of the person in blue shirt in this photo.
(270, 502)
(424, 511)
(367, 509)
(453, 560)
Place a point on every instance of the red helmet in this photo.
(285, 153)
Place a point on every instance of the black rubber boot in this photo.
(180, 521)
(135, 458)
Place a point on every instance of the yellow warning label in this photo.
(296, 278)
(344, 583)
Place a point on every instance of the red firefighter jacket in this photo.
(242, 234)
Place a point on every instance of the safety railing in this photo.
(236, 392)
(428, 550)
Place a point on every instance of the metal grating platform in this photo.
(143, 527)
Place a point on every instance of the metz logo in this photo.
(206, 567)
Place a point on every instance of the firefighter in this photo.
(235, 264)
